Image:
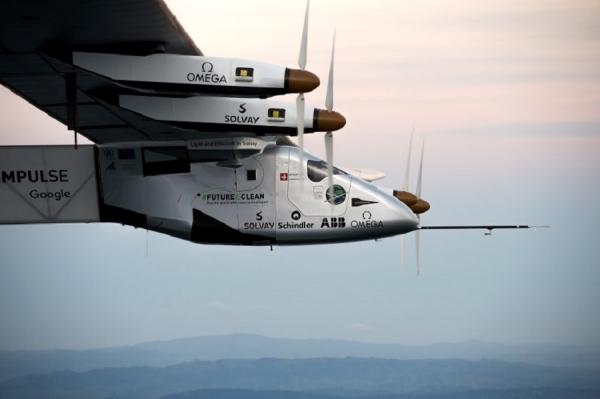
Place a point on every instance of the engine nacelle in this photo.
(172, 74)
(406, 197)
(421, 206)
(210, 113)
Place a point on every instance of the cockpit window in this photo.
(317, 170)
(165, 160)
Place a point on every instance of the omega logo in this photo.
(207, 75)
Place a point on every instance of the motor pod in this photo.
(187, 75)
(230, 114)
(421, 206)
(299, 81)
(408, 198)
(417, 205)
(328, 121)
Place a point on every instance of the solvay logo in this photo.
(243, 120)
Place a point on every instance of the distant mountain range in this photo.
(245, 346)
(322, 378)
(531, 393)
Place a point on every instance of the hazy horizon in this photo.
(316, 339)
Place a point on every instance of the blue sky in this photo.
(507, 94)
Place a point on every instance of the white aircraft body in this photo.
(273, 194)
(186, 145)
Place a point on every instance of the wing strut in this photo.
(71, 88)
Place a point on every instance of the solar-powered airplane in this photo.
(185, 144)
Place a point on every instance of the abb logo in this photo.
(333, 222)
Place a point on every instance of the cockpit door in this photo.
(256, 193)
(308, 187)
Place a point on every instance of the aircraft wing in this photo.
(31, 29)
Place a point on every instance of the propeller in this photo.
(329, 107)
(302, 65)
(407, 171)
(405, 188)
(413, 201)
(420, 175)
(418, 193)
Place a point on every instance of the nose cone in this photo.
(378, 212)
(328, 121)
(299, 81)
(401, 218)
(406, 220)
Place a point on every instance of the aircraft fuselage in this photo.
(256, 193)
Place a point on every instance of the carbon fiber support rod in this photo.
(71, 89)
(481, 227)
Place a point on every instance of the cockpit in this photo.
(317, 170)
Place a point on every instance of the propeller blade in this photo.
(300, 117)
(402, 252)
(300, 99)
(329, 157)
(407, 170)
(329, 98)
(418, 193)
(329, 107)
(405, 188)
(418, 247)
(420, 175)
(304, 40)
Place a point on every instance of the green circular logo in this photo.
(336, 194)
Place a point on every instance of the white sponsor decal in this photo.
(35, 176)
(234, 198)
(259, 225)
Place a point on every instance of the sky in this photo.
(507, 95)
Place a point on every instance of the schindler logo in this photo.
(35, 176)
